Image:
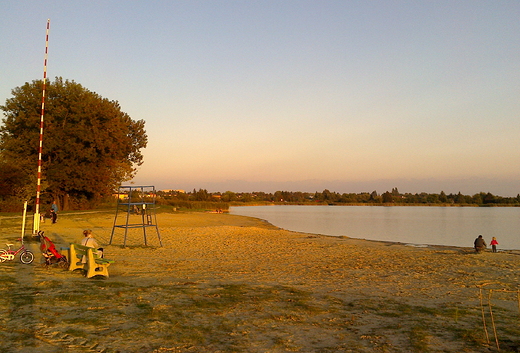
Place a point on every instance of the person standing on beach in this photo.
(480, 244)
(53, 215)
(54, 212)
(494, 244)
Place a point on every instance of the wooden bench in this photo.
(94, 265)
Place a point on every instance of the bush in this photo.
(11, 205)
(199, 205)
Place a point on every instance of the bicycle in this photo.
(26, 256)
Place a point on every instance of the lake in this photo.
(420, 225)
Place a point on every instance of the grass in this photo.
(227, 316)
(7, 280)
(419, 338)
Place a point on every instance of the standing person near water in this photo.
(54, 212)
(494, 244)
(480, 244)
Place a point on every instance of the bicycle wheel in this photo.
(26, 257)
(3, 254)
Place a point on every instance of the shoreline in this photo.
(418, 245)
(402, 231)
(415, 245)
(371, 204)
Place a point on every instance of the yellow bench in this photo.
(94, 265)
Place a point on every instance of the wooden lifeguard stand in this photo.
(137, 204)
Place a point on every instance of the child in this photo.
(494, 244)
(91, 242)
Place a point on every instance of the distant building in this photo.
(120, 196)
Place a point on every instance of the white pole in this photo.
(23, 219)
(36, 220)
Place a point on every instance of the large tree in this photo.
(90, 146)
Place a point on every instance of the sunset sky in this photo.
(293, 95)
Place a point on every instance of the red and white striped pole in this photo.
(36, 221)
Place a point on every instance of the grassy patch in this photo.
(75, 332)
(474, 336)
(50, 284)
(109, 284)
(7, 280)
(419, 338)
(84, 320)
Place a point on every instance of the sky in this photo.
(293, 95)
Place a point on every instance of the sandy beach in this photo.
(225, 283)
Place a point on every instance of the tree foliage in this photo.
(327, 197)
(90, 146)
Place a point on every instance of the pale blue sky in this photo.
(293, 95)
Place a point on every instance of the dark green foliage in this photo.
(89, 147)
(198, 205)
(181, 199)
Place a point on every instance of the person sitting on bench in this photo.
(91, 242)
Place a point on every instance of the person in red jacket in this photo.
(494, 244)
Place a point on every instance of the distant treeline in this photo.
(326, 197)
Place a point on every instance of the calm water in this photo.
(454, 226)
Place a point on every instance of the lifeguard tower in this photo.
(136, 209)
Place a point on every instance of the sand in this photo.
(225, 283)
